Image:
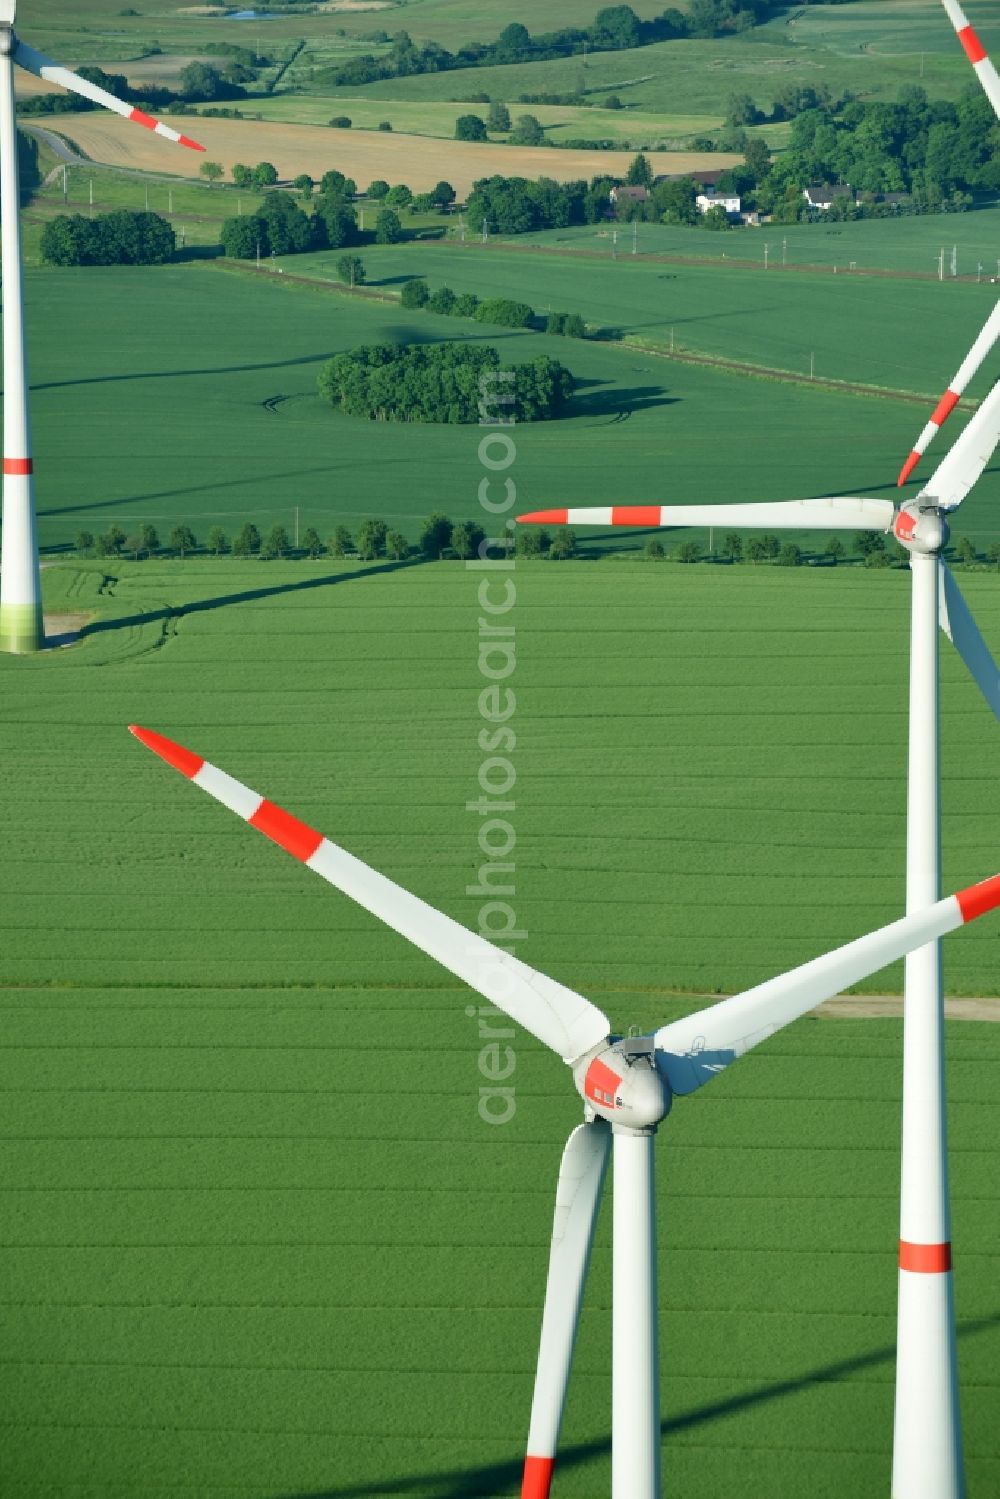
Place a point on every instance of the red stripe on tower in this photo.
(971, 45)
(143, 119)
(176, 755)
(293, 836)
(18, 466)
(978, 899)
(924, 1259)
(945, 407)
(635, 515)
(537, 1481)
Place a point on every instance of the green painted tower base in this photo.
(22, 630)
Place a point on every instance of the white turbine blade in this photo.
(976, 53)
(8, 10)
(962, 467)
(694, 1050)
(564, 1020)
(963, 632)
(839, 513)
(43, 67)
(578, 1197)
(971, 363)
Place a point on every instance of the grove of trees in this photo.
(118, 238)
(440, 383)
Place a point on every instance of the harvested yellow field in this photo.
(419, 161)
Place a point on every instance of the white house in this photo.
(728, 201)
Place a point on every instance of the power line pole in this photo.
(635, 236)
(296, 528)
(65, 185)
(941, 265)
(784, 252)
(812, 366)
(486, 231)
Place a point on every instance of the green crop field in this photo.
(258, 1239)
(727, 311)
(136, 420)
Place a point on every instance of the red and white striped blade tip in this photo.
(597, 515)
(175, 755)
(907, 469)
(976, 900)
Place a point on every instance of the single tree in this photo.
(277, 543)
(341, 122)
(732, 546)
(212, 170)
(993, 554)
(688, 551)
(465, 539)
(311, 542)
(466, 304)
(757, 549)
(182, 540)
(966, 552)
(341, 542)
(790, 555)
(878, 559)
(134, 545)
(613, 102)
(499, 117)
(654, 549)
(470, 128)
(111, 542)
(378, 188)
(640, 173)
(435, 535)
(247, 542)
(84, 543)
(304, 183)
(385, 125)
(399, 196)
(150, 540)
(834, 549)
(264, 174)
(351, 269)
(532, 541)
(869, 541)
(371, 539)
(388, 229)
(242, 175)
(563, 544)
(217, 543)
(442, 301)
(527, 132)
(443, 194)
(396, 545)
(415, 293)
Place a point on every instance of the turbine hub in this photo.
(621, 1083)
(921, 530)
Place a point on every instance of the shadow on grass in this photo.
(222, 369)
(504, 1478)
(245, 596)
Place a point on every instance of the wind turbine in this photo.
(21, 626)
(927, 1451)
(990, 80)
(627, 1086)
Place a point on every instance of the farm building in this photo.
(729, 202)
(822, 195)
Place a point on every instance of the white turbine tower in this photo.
(927, 1453)
(21, 625)
(990, 80)
(627, 1087)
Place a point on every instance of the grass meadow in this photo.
(259, 1241)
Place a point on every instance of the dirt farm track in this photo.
(419, 161)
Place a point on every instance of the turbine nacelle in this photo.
(622, 1084)
(921, 528)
